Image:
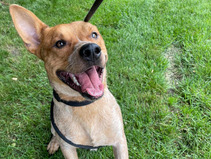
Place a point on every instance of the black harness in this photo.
(72, 104)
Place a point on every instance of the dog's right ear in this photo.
(28, 26)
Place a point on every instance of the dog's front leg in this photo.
(120, 149)
(69, 152)
(53, 146)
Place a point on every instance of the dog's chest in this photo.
(96, 124)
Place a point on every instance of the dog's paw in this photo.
(53, 146)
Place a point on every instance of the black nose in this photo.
(90, 52)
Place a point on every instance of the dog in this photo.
(75, 60)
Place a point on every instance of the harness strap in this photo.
(63, 137)
(71, 103)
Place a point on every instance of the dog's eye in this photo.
(94, 35)
(59, 44)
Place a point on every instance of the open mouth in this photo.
(88, 83)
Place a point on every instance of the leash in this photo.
(92, 10)
(76, 104)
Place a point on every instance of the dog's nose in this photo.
(90, 52)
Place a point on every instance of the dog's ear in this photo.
(28, 26)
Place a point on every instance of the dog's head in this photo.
(74, 54)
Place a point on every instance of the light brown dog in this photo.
(75, 59)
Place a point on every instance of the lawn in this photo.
(159, 70)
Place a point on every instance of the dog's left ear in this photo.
(28, 26)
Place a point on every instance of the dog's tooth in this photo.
(74, 79)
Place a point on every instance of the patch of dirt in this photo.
(13, 50)
(172, 76)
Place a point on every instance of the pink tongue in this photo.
(91, 83)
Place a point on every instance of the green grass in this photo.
(146, 41)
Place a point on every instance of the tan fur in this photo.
(98, 124)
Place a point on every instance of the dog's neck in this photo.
(71, 98)
(67, 93)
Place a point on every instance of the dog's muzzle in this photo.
(90, 52)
